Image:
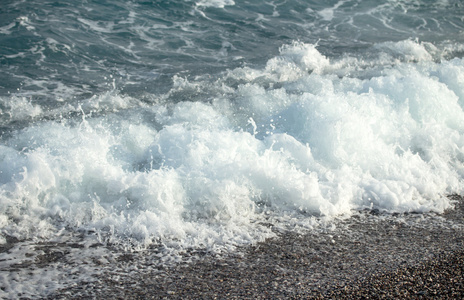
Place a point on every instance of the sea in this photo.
(213, 124)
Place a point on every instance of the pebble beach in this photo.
(368, 256)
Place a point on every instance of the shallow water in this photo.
(204, 124)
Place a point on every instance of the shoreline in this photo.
(366, 256)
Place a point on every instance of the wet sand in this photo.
(368, 256)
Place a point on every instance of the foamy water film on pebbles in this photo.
(173, 129)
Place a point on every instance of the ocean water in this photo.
(204, 124)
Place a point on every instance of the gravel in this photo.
(367, 256)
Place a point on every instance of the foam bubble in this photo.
(18, 108)
(328, 13)
(408, 50)
(296, 60)
(6, 29)
(215, 3)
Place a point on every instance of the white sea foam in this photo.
(328, 13)
(6, 29)
(19, 108)
(96, 26)
(24, 21)
(215, 3)
(291, 140)
(36, 277)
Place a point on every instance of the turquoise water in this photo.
(71, 50)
